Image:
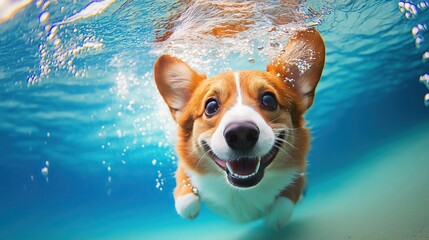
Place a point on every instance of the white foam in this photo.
(192, 40)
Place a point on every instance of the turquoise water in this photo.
(87, 146)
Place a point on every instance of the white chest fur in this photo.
(240, 204)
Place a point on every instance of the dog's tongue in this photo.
(243, 166)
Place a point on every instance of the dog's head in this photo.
(248, 123)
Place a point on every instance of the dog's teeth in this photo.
(244, 176)
(257, 166)
(229, 168)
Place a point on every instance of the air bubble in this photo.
(251, 60)
(407, 6)
(408, 15)
(45, 171)
(43, 16)
(413, 10)
(46, 5)
(424, 79)
(419, 41)
(119, 133)
(422, 27)
(39, 3)
(415, 31)
(423, 6)
(425, 56)
(401, 6)
(427, 100)
(52, 32)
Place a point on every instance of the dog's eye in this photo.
(268, 101)
(212, 106)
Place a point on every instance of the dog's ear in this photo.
(175, 81)
(301, 63)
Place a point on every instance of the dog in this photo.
(242, 141)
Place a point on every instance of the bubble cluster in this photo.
(427, 100)
(159, 181)
(142, 123)
(56, 53)
(424, 79)
(412, 10)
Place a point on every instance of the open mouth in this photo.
(246, 171)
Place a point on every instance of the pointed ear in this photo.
(175, 81)
(301, 63)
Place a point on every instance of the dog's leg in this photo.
(186, 197)
(281, 211)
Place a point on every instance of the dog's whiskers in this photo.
(275, 119)
(279, 147)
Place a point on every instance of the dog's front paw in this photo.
(188, 206)
(280, 213)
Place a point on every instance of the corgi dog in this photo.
(242, 141)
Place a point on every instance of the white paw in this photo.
(280, 213)
(188, 206)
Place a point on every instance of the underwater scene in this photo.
(87, 143)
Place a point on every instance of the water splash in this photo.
(60, 45)
(205, 33)
(412, 10)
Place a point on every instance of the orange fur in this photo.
(291, 78)
(183, 184)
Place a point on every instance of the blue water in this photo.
(100, 128)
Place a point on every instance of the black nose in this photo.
(241, 135)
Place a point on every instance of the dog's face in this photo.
(245, 124)
(242, 123)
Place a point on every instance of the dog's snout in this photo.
(241, 135)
